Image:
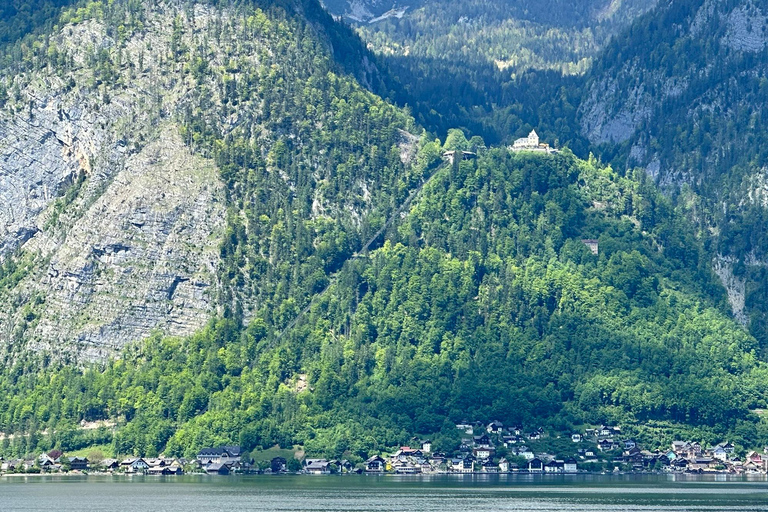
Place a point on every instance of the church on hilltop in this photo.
(532, 143)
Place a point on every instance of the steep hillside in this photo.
(483, 303)
(128, 134)
(683, 94)
(218, 233)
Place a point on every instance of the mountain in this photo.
(558, 12)
(682, 94)
(136, 132)
(495, 69)
(221, 229)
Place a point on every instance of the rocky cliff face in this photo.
(118, 222)
(683, 94)
(680, 73)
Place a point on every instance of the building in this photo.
(317, 466)
(134, 465)
(375, 464)
(110, 464)
(554, 466)
(221, 454)
(531, 143)
(217, 468)
(78, 463)
(451, 156)
(593, 246)
(494, 427)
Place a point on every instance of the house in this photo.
(78, 463)
(375, 464)
(570, 465)
(426, 446)
(484, 452)
(217, 468)
(488, 466)
(466, 427)
(517, 430)
(592, 244)
(606, 445)
(494, 427)
(526, 453)
(699, 463)
(503, 465)
(535, 465)
(680, 447)
(576, 438)
(109, 464)
(221, 454)
(406, 468)
(175, 470)
(317, 466)
(49, 465)
(134, 465)
(467, 465)
(535, 435)
(554, 466)
(629, 444)
(606, 431)
(719, 453)
(482, 441)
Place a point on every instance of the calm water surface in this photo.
(444, 493)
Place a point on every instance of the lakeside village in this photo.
(491, 448)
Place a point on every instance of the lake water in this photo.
(444, 493)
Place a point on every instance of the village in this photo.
(484, 448)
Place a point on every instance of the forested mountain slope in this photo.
(483, 303)
(192, 184)
(138, 136)
(683, 94)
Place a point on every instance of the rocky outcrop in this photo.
(142, 258)
(734, 286)
(118, 222)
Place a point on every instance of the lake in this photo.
(444, 493)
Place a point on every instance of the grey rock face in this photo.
(133, 249)
(142, 258)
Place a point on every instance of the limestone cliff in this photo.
(118, 222)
